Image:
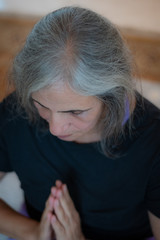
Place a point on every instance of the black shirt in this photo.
(112, 196)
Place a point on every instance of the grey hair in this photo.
(80, 47)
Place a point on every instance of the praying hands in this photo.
(60, 215)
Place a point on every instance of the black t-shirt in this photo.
(112, 196)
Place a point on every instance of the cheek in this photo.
(82, 124)
(88, 122)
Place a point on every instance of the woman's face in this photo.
(71, 117)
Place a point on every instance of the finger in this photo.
(60, 214)
(66, 192)
(54, 189)
(45, 230)
(67, 198)
(66, 202)
(49, 207)
(57, 226)
(58, 183)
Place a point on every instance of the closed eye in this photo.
(76, 112)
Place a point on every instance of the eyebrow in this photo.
(67, 111)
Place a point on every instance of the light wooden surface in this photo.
(13, 31)
(136, 14)
(145, 47)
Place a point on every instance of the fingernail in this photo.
(58, 183)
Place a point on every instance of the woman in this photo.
(84, 144)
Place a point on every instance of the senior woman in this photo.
(84, 144)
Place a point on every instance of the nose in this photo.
(58, 124)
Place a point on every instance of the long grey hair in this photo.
(84, 49)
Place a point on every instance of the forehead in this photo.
(63, 95)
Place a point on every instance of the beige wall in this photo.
(137, 14)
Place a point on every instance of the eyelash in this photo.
(76, 112)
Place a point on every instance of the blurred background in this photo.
(138, 20)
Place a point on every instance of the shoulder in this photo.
(14, 119)
(143, 136)
(146, 115)
(10, 112)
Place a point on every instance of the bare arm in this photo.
(15, 225)
(20, 227)
(155, 225)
